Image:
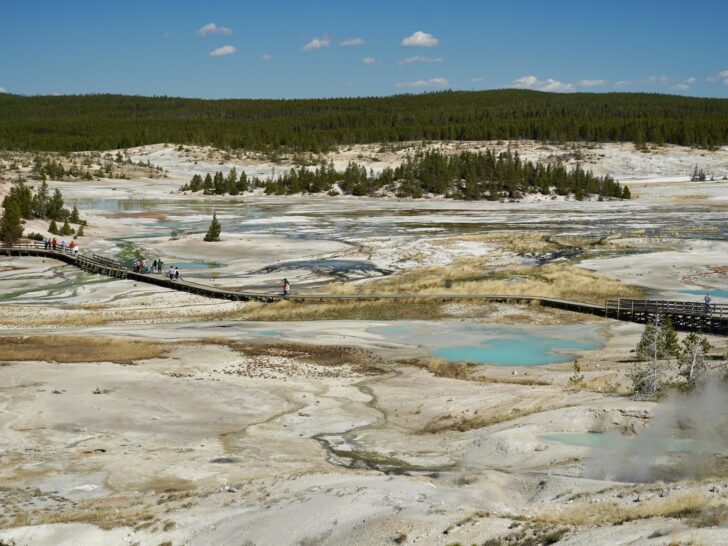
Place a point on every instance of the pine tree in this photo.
(55, 206)
(80, 232)
(207, 187)
(53, 228)
(11, 223)
(656, 346)
(693, 359)
(213, 232)
(40, 201)
(75, 218)
(66, 229)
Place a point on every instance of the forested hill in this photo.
(86, 122)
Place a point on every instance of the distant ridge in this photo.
(102, 122)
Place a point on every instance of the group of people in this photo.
(140, 266)
(53, 244)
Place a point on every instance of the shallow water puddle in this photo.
(613, 440)
(496, 345)
(715, 293)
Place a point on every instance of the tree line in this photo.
(23, 203)
(467, 175)
(103, 122)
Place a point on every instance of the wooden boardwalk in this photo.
(689, 316)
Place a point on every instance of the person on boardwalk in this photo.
(286, 288)
(159, 265)
(54, 243)
(170, 272)
(46, 243)
(154, 266)
(176, 274)
(63, 247)
(707, 306)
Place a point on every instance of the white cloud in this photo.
(352, 42)
(623, 83)
(266, 57)
(532, 82)
(432, 82)
(222, 51)
(656, 80)
(3, 90)
(317, 43)
(420, 39)
(420, 59)
(592, 83)
(369, 60)
(723, 75)
(685, 84)
(477, 79)
(212, 28)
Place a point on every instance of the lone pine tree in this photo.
(213, 232)
(11, 224)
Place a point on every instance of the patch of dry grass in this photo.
(689, 505)
(554, 280)
(468, 371)
(342, 310)
(79, 349)
(361, 360)
(520, 243)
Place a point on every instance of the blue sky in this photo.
(313, 48)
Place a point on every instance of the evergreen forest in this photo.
(467, 175)
(103, 122)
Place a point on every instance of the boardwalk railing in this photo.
(685, 315)
(664, 307)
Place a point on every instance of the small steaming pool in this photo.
(613, 440)
(496, 345)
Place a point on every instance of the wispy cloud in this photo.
(532, 82)
(685, 84)
(655, 80)
(369, 60)
(592, 83)
(420, 59)
(432, 82)
(623, 83)
(266, 57)
(352, 42)
(212, 28)
(719, 76)
(222, 51)
(317, 43)
(420, 39)
(477, 79)
(3, 90)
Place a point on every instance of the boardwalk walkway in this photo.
(690, 316)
